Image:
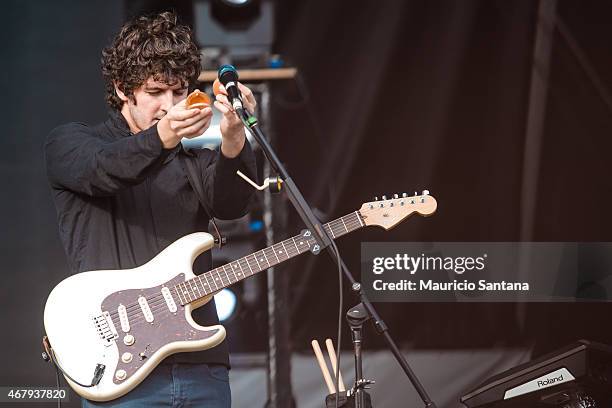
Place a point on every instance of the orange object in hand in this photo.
(216, 85)
(198, 99)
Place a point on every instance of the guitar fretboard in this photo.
(228, 274)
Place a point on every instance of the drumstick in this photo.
(323, 366)
(332, 357)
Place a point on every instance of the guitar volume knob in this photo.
(120, 375)
(126, 357)
(128, 340)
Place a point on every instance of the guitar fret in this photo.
(305, 240)
(183, 289)
(343, 223)
(246, 258)
(214, 279)
(207, 276)
(229, 280)
(332, 233)
(330, 226)
(235, 271)
(247, 263)
(220, 277)
(264, 254)
(236, 266)
(186, 292)
(356, 221)
(358, 218)
(270, 257)
(287, 252)
(258, 265)
(178, 294)
(175, 294)
(274, 252)
(195, 285)
(199, 280)
(204, 291)
(296, 247)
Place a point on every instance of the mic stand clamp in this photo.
(294, 194)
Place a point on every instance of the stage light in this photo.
(240, 32)
(226, 303)
(236, 3)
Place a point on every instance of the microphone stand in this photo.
(356, 317)
(324, 241)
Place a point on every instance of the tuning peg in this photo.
(415, 194)
(376, 198)
(384, 197)
(425, 192)
(404, 195)
(395, 196)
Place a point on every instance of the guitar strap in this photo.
(193, 176)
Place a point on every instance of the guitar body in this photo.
(127, 320)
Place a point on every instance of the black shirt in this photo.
(121, 198)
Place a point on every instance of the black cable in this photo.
(57, 382)
(97, 374)
(340, 308)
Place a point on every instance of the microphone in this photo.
(228, 76)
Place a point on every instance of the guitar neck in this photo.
(228, 274)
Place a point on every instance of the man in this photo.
(122, 193)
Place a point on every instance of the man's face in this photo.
(150, 102)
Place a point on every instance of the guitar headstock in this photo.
(387, 213)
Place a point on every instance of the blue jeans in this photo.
(177, 386)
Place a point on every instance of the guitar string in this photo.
(136, 315)
(157, 302)
(136, 305)
(157, 297)
(156, 306)
(139, 317)
(291, 253)
(353, 225)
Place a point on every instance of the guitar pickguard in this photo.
(152, 325)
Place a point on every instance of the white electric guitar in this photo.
(109, 329)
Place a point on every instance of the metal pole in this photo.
(280, 393)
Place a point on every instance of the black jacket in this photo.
(121, 199)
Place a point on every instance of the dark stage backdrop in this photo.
(397, 96)
(407, 95)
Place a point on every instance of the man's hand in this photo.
(232, 129)
(181, 122)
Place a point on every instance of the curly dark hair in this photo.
(149, 46)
